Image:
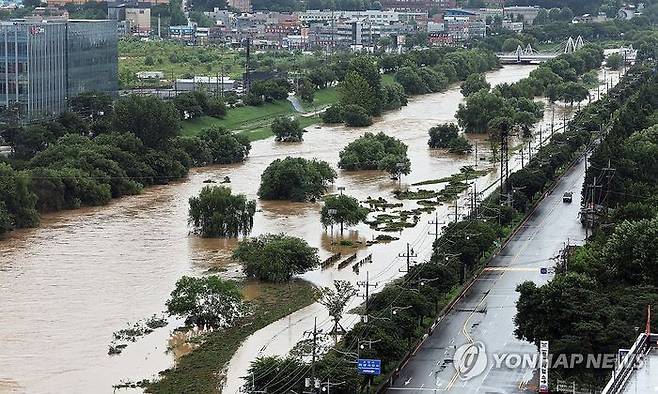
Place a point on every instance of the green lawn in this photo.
(265, 132)
(241, 119)
(254, 122)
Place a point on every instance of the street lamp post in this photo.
(332, 212)
(399, 167)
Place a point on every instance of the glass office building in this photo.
(45, 63)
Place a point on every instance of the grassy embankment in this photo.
(255, 121)
(200, 370)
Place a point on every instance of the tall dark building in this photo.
(44, 64)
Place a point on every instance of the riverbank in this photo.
(113, 264)
(200, 370)
(254, 122)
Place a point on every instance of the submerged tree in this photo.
(474, 83)
(206, 301)
(342, 209)
(614, 61)
(218, 213)
(275, 257)
(375, 152)
(287, 130)
(460, 146)
(441, 135)
(296, 179)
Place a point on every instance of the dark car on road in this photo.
(567, 197)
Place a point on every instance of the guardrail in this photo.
(392, 376)
(627, 365)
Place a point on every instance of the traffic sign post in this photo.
(367, 366)
(543, 366)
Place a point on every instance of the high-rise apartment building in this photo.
(43, 64)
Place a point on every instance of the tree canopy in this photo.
(474, 83)
(287, 130)
(362, 85)
(275, 257)
(375, 152)
(225, 147)
(336, 300)
(442, 135)
(356, 116)
(206, 301)
(342, 209)
(218, 213)
(296, 179)
(152, 120)
(614, 61)
(17, 201)
(601, 289)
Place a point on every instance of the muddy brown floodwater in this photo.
(66, 286)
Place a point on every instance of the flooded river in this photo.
(66, 286)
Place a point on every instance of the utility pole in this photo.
(456, 210)
(410, 253)
(326, 387)
(436, 224)
(564, 122)
(553, 121)
(504, 159)
(248, 67)
(476, 153)
(590, 204)
(315, 333)
(222, 87)
(541, 136)
(522, 158)
(216, 85)
(253, 386)
(608, 173)
(366, 296)
(474, 201)
(529, 151)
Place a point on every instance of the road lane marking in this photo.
(526, 241)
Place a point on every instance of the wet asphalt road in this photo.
(486, 313)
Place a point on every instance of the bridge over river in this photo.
(530, 55)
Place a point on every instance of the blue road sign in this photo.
(369, 367)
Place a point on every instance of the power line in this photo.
(367, 285)
(409, 255)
